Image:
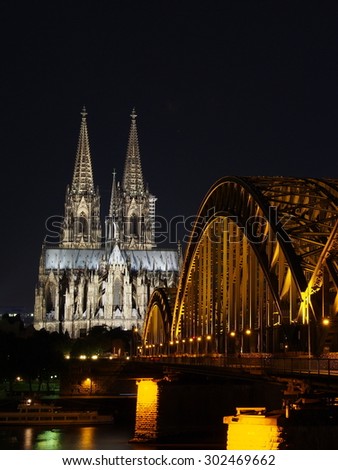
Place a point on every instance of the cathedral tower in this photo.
(82, 226)
(85, 281)
(131, 218)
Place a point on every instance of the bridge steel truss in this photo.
(260, 273)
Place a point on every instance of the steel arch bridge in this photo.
(260, 273)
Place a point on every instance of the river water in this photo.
(110, 437)
(181, 416)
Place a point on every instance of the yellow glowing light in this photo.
(146, 409)
(94, 357)
(199, 339)
(67, 356)
(326, 321)
(208, 337)
(232, 333)
(171, 343)
(191, 340)
(253, 437)
(248, 332)
(86, 436)
(82, 357)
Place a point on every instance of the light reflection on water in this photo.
(67, 438)
(47, 440)
(86, 437)
(28, 438)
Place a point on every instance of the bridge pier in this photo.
(184, 406)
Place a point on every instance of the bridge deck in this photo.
(323, 371)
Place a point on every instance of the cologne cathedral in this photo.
(93, 279)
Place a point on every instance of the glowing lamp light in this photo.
(325, 321)
(248, 331)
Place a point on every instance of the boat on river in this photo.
(30, 412)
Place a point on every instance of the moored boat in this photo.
(30, 412)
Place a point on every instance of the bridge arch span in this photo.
(260, 270)
(158, 321)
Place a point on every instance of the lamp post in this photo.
(306, 318)
(247, 340)
(207, 342)
(307, 310)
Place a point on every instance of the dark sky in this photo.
(221, 87)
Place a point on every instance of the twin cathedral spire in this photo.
(103, 276)
(131, 219)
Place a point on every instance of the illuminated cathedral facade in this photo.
(103, 277)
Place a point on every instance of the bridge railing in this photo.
(257, 363)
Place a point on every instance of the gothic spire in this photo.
(113, 198)
(83, 174)
(133, 178)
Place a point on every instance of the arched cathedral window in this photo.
(133, 225)
(83, 226)
(117, 293)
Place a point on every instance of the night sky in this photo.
(221, 87)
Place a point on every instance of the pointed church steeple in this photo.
(133, 177)
(113, 198)
(81, 225)
(112, 221)
(83, 173)
(131, 220)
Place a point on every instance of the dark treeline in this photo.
(38, 355)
